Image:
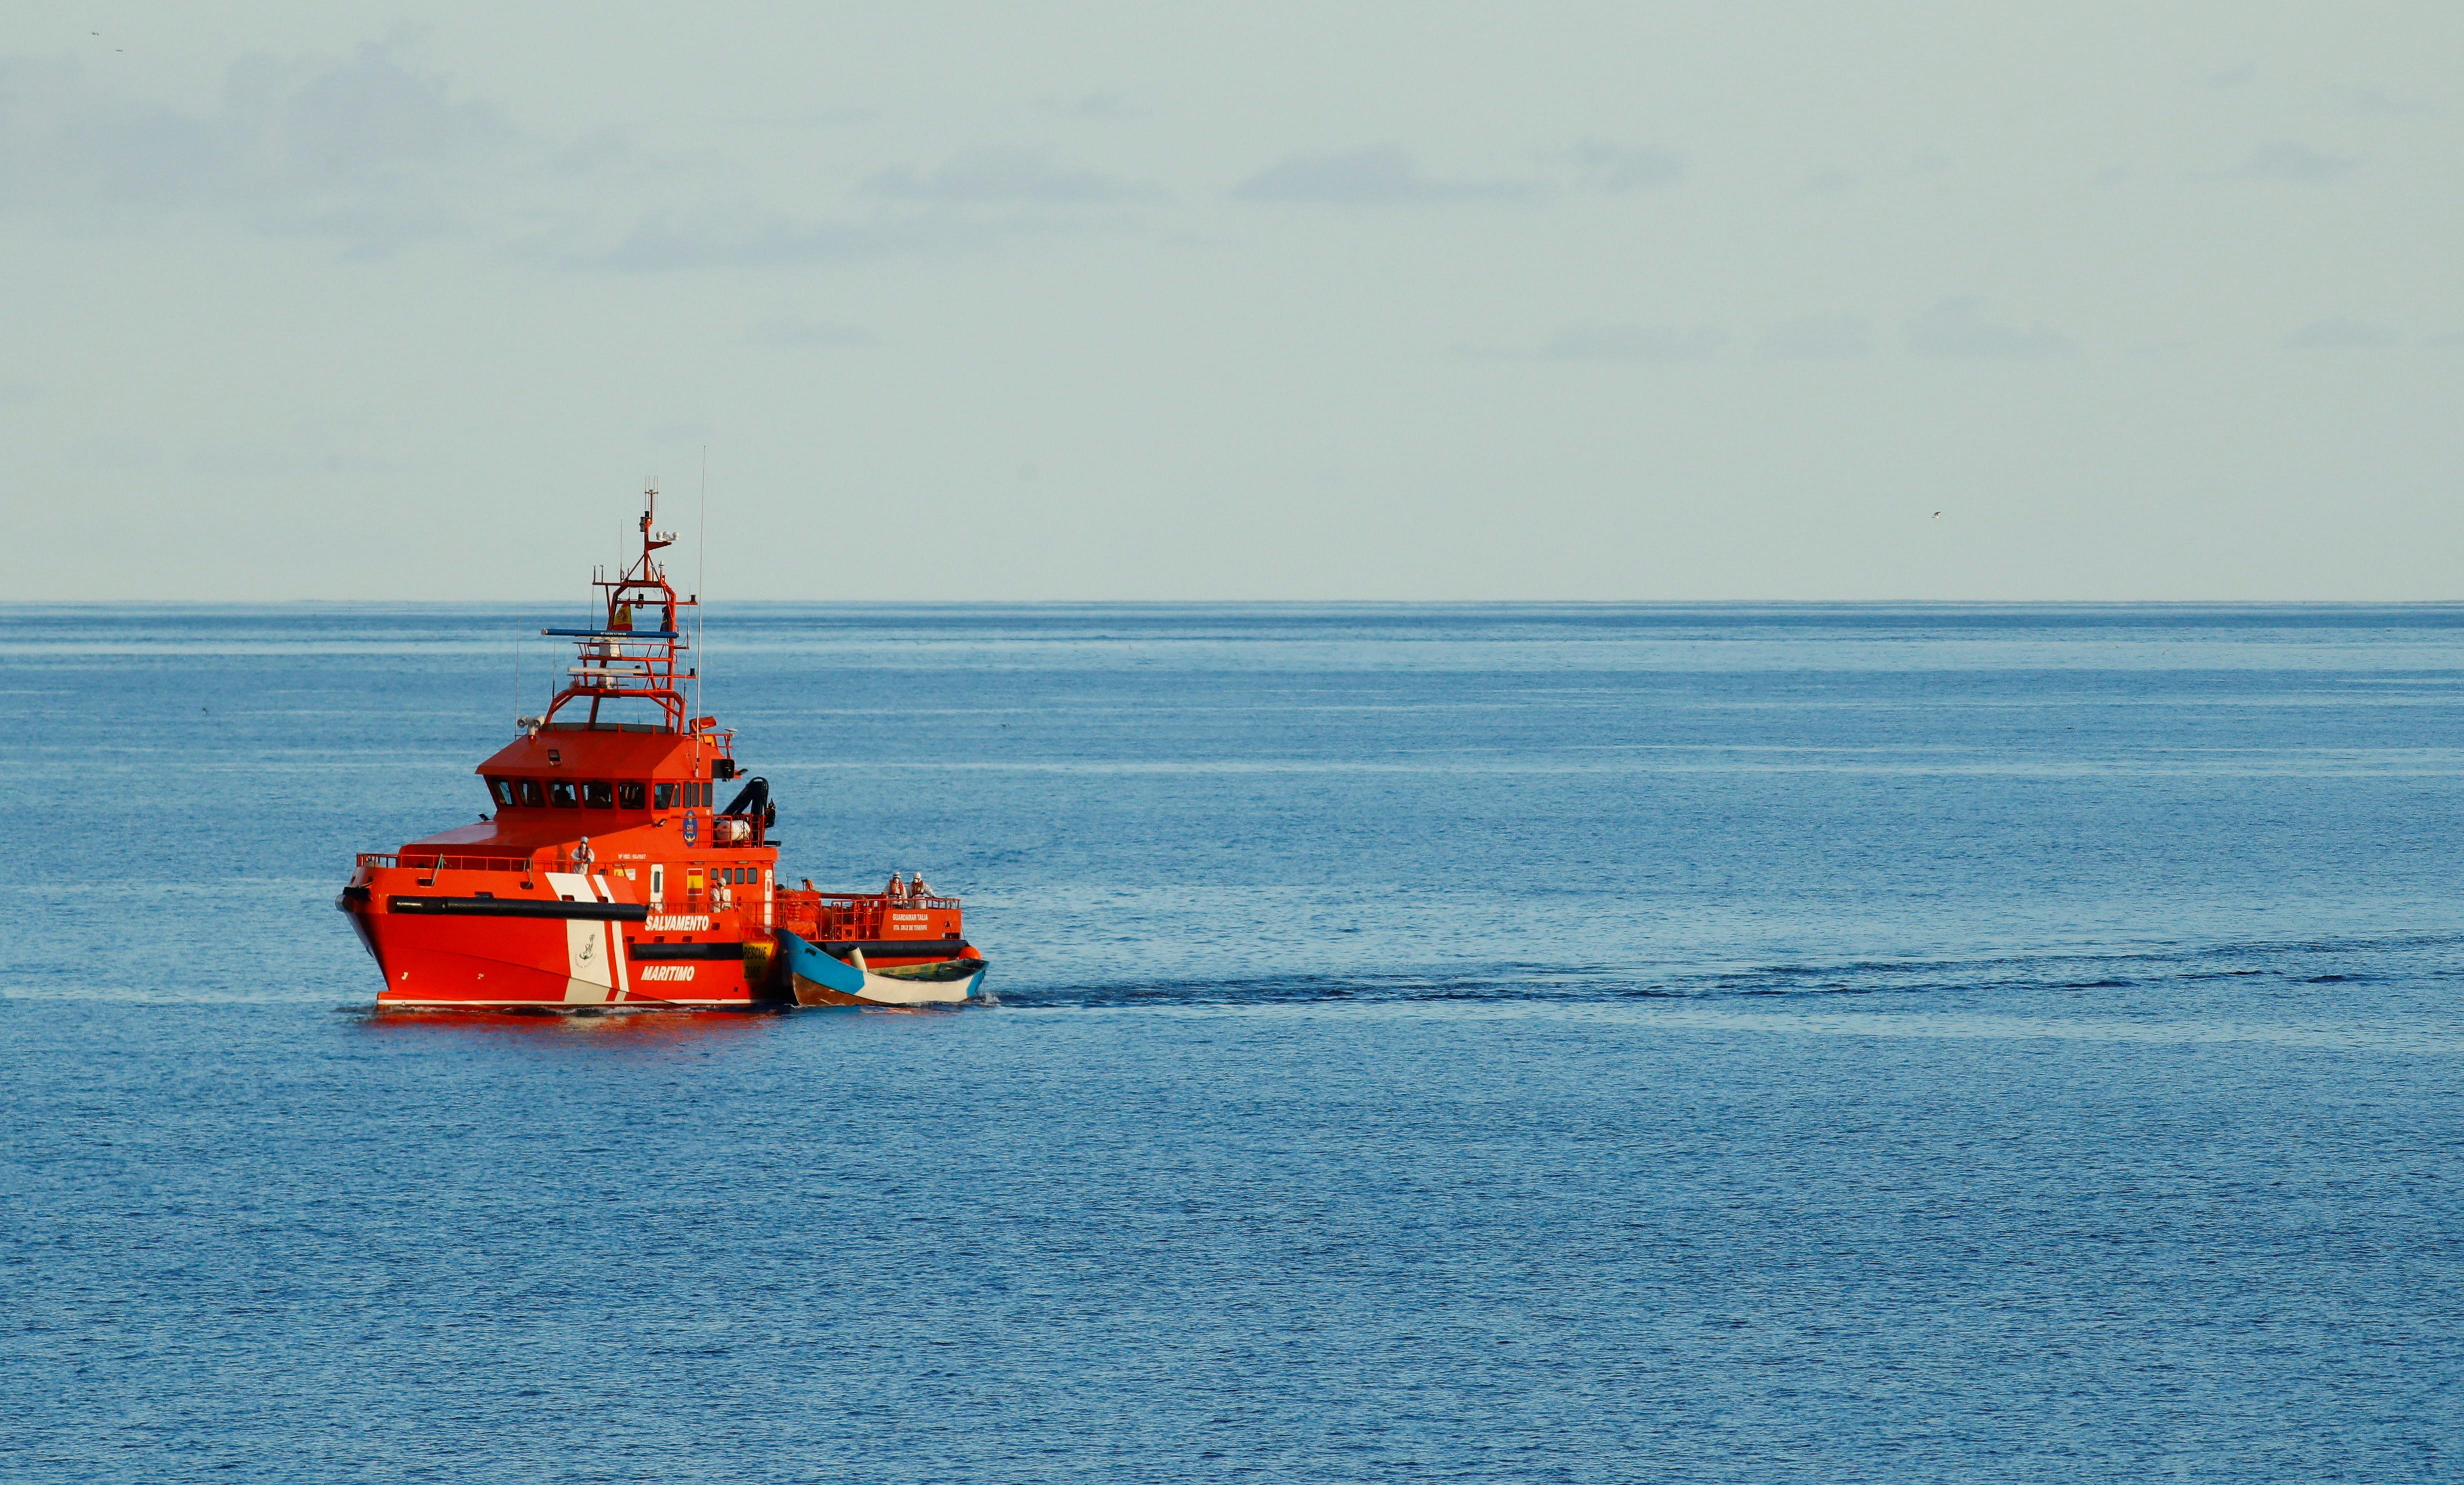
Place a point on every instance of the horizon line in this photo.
(875, 605)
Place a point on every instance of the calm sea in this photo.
(1520, 1044)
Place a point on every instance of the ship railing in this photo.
(422, 860)
(875, 902)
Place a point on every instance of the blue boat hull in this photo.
(816, 978)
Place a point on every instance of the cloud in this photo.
(115, 454)
(1817, 338)
(369, 116)
(1959, 328)
(1613, 343)
(821, 118)
(670, 240)
(1095, 107)
(2371, 103)
(311, 444)
(375, 152)
(2339, 333)
(600, 149)
(1382, 175)
(802, 335)
(745, 235)
(1626, 167)
(1008, 177)
(2290, 160)
(274, 458)
(367, 149)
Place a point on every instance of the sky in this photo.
(1082, 301)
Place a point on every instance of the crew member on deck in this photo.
(897, 887)
(920, 890)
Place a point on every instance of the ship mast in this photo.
(638, 651)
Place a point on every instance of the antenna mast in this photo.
(623, 655)
(701, 571)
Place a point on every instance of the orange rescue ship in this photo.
(609, 877)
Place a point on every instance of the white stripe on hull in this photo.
(884, 990)
(594, 951)
(879, 990)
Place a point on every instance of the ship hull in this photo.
(815, 977)
(437, 951)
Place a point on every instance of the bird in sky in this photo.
(1937, 515)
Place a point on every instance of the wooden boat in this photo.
(843, 974)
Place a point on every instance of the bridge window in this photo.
(533, 796)
(501, 790)
(628, 797)
(599, 794)
(560, 793)
(663, 797)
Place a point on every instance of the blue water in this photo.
(1587, 1044)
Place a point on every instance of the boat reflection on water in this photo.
(632, 1027)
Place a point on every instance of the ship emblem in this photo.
(693, 828)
